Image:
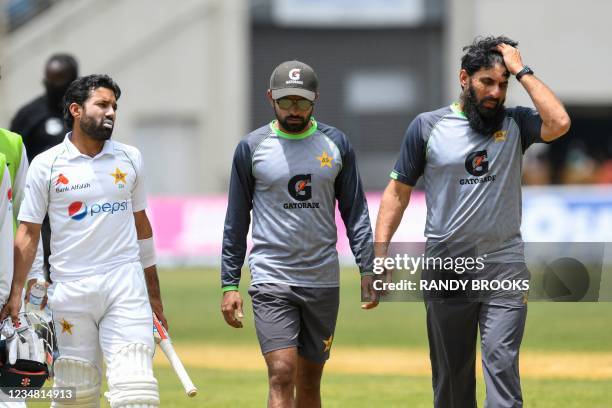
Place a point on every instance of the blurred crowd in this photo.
(571, 160)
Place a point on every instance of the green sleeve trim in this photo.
(393, 175)
(229, 288)
(366, 273)
(304, 135)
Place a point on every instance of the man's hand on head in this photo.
(512, 57)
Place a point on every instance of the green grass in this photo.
(192, 305)
(249, 389)
(192, 299)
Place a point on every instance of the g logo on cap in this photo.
(294, 74)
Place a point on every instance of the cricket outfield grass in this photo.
(379, 357)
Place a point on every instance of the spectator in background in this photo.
(604, 173)
(41, 122)
(537, 169)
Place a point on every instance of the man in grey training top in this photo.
(469, 155)
(290, 174)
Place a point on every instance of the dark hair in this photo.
(483, 54)
(80, 90)
(68, 61)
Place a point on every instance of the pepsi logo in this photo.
(77, 210)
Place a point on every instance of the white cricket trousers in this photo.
(101, 314)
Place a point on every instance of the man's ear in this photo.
(75, 110)
(269, 96)
(464, 79)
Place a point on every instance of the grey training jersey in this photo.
(291, 183)
(472, 181)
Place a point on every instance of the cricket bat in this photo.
(163, 339)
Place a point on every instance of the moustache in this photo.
(489, 99)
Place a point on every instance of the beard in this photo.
(482, 119)
(93, 129)
(296, 127)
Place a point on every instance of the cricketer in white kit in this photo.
(102, 302)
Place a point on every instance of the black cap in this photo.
(294, 78)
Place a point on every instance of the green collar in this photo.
(304, 135)
(455, 107)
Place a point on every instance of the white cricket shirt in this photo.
(90, 201)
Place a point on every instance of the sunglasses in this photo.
(302, 104)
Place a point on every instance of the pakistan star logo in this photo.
(119, 176)
(66, 326)
(326, 161)
(328, 343)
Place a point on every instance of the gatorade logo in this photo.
(294, 74)
(300, 188)
(477, 163)
(294, 77)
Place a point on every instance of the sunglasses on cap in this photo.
(302, 104)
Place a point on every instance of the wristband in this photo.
(147, 252)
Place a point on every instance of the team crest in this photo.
(119, 177)
(66, 326)
(500, 136)
(328, 343)
(326, 161)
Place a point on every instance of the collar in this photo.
(313, 128)
(456, 107)
(73, 152)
